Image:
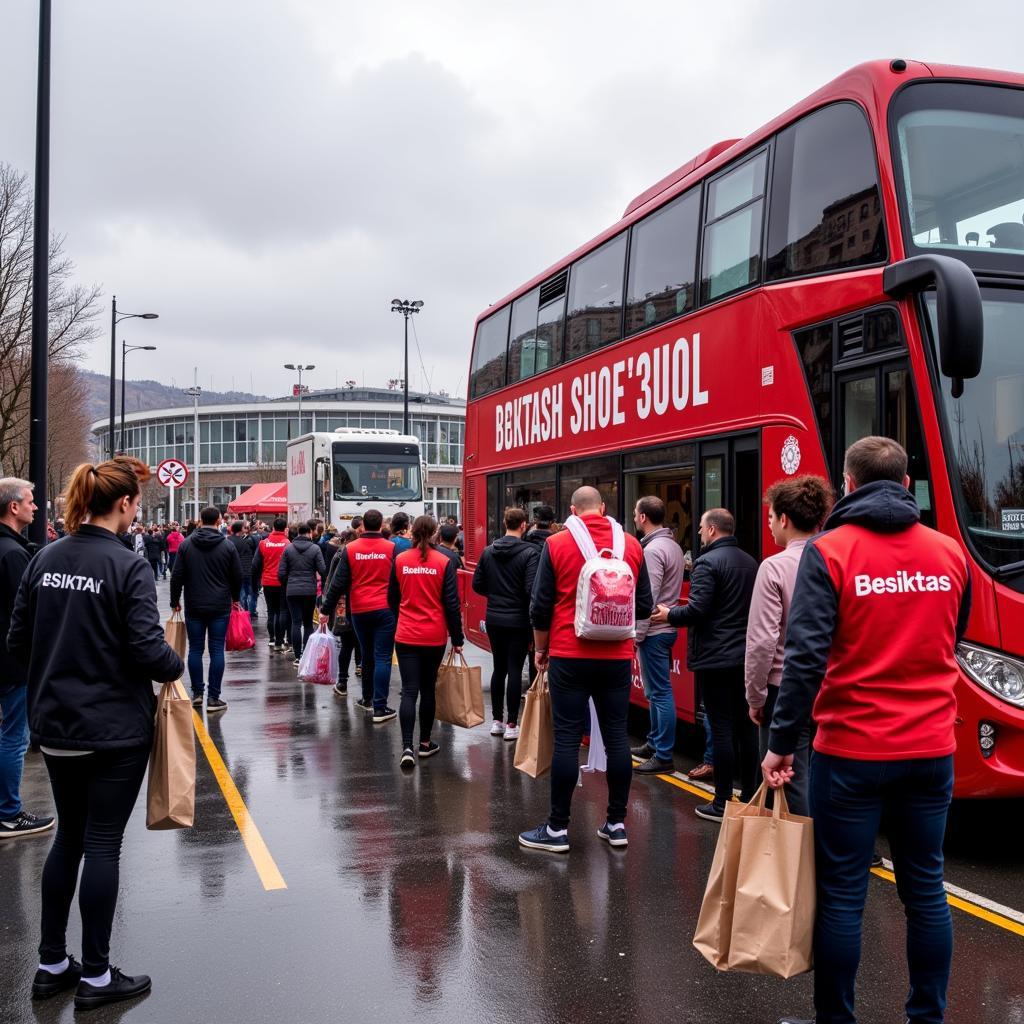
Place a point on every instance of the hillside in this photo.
(150, 394)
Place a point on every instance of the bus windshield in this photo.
(378, 477)
(960, 151)
(986, 428)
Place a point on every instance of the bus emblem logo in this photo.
(790, 455)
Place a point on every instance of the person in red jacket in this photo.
(879, 604)
(424, 594)
(265, 564)
(581, 669)
(364, 573)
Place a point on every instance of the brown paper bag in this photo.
(758, 910)
(773, 913)
(175, 635)
(171, 795)
(536, 730)
(460, 694)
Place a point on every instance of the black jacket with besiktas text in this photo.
(86, 621)
(209, 571)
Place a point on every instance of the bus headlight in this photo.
(995, 672)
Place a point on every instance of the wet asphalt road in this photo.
(408, 899)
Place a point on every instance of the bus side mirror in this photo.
(958, 307)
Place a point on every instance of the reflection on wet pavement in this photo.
(408, 898)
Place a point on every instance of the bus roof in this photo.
(870, 84)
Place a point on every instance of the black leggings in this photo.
(732, 732)
(418, 668)
(509, 648)
(301, 610)
(276, 615)
(94, 795)
(347, 646)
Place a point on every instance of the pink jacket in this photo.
(766, 626)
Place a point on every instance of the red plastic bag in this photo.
(240, 635)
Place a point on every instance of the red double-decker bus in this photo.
(854, 267)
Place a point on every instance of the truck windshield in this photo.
(378, 477)
(986, 428)
(960, 151)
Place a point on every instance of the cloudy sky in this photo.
(267, 175)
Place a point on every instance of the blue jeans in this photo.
(13, 744)
(656, 663)
(248, 595)
(376, 633)
(849, 800)
(197, 627)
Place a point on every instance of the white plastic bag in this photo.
(319, 662)
(606, 589)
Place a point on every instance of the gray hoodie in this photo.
(664, 560)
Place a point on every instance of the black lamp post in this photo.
(125, 349)
(406, 307)
(115, 319)
(300, 367)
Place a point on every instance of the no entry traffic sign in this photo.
(172, 473)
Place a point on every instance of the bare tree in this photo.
(72, 312)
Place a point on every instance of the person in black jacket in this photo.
(504, 575)
(242, 541)
(86, 622)
(721, 587)
(16, 511)
(543, 520)
(154, 545)
(300, 565)
(209, 571)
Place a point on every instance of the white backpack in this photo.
(605, 592)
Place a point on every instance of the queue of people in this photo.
(855, 732)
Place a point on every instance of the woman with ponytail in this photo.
(424, 594)
(86, 622)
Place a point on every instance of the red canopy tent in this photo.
(262, 499)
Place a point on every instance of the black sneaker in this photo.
(428, 749)
(655, 766)
(341, 688)
(122, 986)
(709, 812)
(408, 758)
(215, 704)
(365, 705)
(613, 836)
(24, 824)
(197, 702)
(644, 751)
(540, 839)
(382, 715)
(295, 662)
(876, 860)
(45, 985)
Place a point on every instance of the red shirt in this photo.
(886, 694)
(174, 539)
(369, 564)
(271, 549)
(421, 616)
(567, 563)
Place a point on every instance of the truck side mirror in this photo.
(958, 306)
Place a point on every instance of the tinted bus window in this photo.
(525, 357)
(488, 370)
(732, 235)
(595, 299)
(826, 212)
(663, 264)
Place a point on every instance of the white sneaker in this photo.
(497, 728)
(511, 732)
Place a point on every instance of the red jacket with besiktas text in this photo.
(424, 594)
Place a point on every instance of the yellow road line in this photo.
(982, 913)
(254, 844)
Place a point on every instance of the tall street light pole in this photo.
(406, 307)
(300, 367)
(115, 319)
(125, 349)
(40, 286)
(194, 392)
